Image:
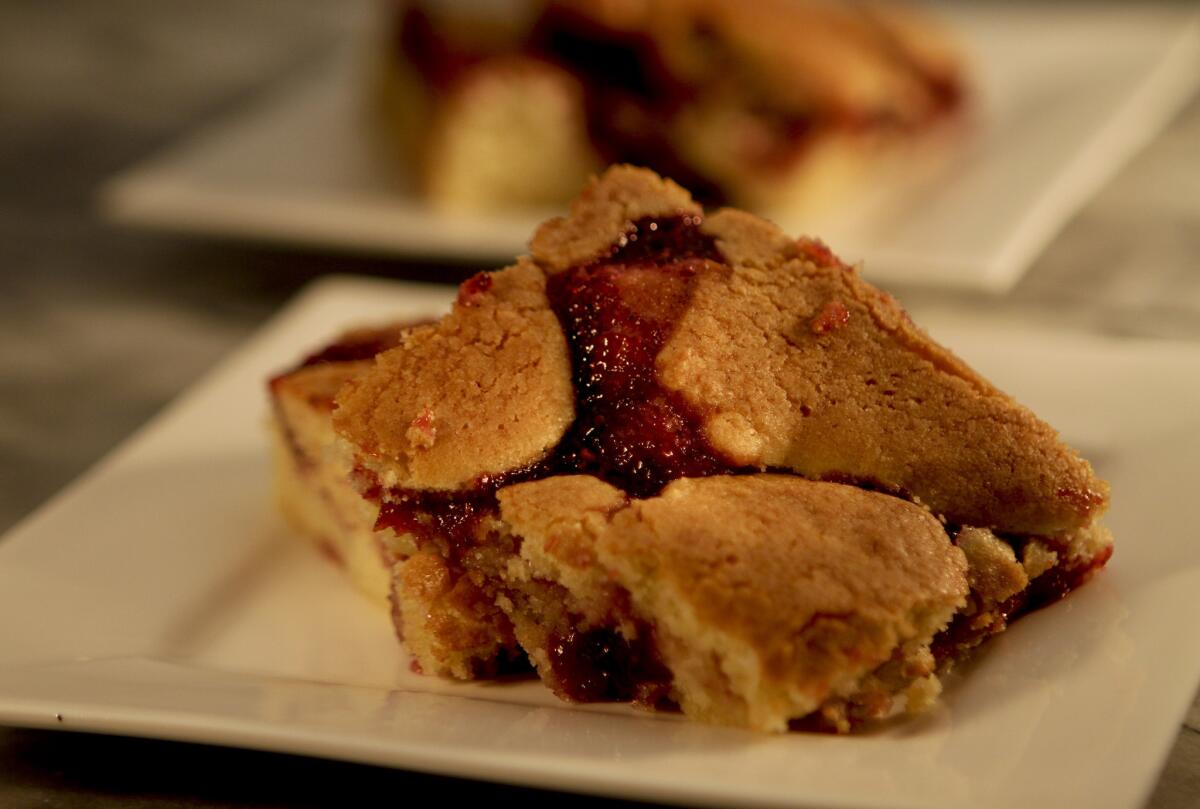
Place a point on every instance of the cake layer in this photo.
(313, 480)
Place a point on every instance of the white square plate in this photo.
(1064, 95)
(162, 596)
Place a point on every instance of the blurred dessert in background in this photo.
(775, 104)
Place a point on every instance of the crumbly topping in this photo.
(602, 213)
(993, 571)
(796, 588)
(1037, 558)
(771, 595)
(563, 513)
(874, 399)
(485, 390)
(800, 570)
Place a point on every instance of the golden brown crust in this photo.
(793, 361)
(865, 395)
(800, 571)
(843, 65)
(561, 514)
(601, 214)
(769, 594)
(748, 240)
(485, 390)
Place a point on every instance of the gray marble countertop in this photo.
(100, 327)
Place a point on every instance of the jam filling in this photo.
(440, 61)
(965, 633)
(601, 665)
(1056, 583)
(449, 520)
(617, 313)
(631, 97)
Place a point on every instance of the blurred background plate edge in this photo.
(297, 166)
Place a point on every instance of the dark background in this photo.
(99, 327)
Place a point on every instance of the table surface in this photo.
(100, 327)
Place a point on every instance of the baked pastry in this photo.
(686, 459)
(775, 104)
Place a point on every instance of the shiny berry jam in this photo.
(448, 519)
(617, 313)
(1056, 583)
(600, 665)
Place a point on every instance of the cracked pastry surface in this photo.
(863, 394)
(640, 457)
(766, 595)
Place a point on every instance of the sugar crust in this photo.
(484, 390)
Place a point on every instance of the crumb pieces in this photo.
(922, 694)
(818, 253)
(422, 432)
(993, 571)
(834, 316)
(833, 714)
(1036, 558)
(474, 288)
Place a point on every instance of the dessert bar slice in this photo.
(666, 456)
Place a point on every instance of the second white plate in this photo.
(1063, 97)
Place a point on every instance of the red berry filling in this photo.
(600, 665)
(617, 314)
